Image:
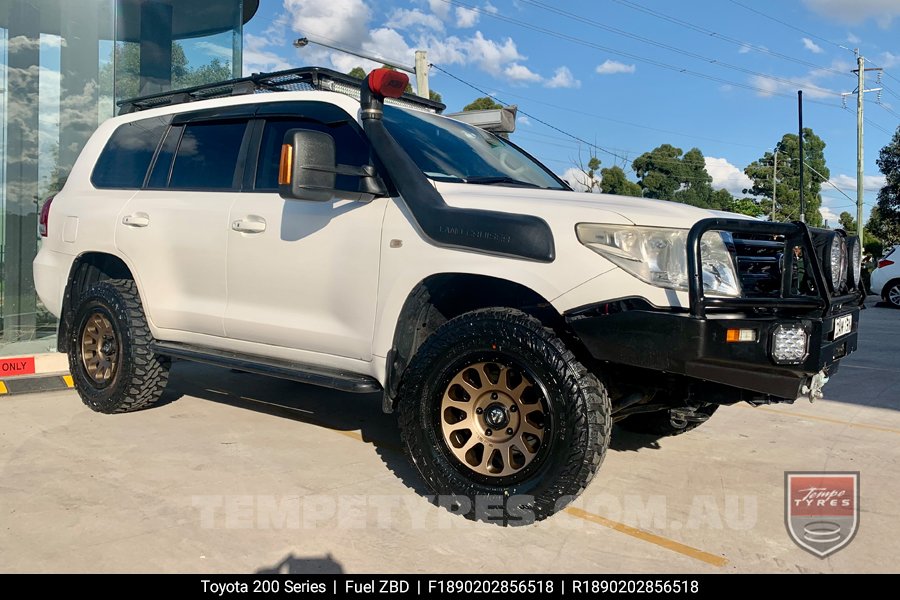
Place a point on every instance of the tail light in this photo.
(43, 229)
(884, 263)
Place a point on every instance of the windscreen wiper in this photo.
(499, 179)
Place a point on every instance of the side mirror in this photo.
(308, 170)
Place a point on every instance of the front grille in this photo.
(759, 259)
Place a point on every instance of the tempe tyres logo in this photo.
(821, 509)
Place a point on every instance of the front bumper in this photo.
(693, 343)
(679, 344)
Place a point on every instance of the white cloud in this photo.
(744, 49)
(871, 183)
(404, 18)
(466, 17)
(521, 74)
(440, 8)
(611, 67)
(523, 120)
(829, 215)
(812, 46)
(343, 21)
(258, 58)
(490, 8)
(490, 55)
(215, 50)
(852, 39)
(726, 176)
(889, 60)
(563, 78)
(347, 24)
(810, 83)
(858, 11)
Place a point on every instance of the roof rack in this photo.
(291, 80)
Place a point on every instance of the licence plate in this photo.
(842, 325)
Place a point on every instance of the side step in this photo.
(273, 367)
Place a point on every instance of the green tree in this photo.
(847, 222)
(126, 60)
(614, 181)
(884, 230)
(659, 171)
(787, 186)
(483, 103)
(357, 72)
(746, 206)
(888, 215)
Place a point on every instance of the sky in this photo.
(625, 76)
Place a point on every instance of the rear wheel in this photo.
(500, 418)
(110, 359)
(663, 423)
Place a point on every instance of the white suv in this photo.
(507, 319)
(886, 278)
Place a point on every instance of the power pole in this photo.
(860, 92)
(422, 74)
(774, 184)
(802, 155)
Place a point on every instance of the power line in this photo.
(789, 25)
(529, 115)
(741, 43)
(660, 64)
(669, 47)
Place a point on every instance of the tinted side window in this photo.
(207, 156)
(351, 149)
(124, 161)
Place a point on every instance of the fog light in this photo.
(789, 344)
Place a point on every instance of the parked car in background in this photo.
(886, 278)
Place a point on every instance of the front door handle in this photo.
(250, 224)
(136, 220)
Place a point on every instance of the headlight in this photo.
(659, 256)
(855, 251)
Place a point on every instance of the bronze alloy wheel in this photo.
(493, 419)
(99, 348)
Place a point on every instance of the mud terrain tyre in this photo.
(500, 419)
(110, 359)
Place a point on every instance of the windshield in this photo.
(447, 150)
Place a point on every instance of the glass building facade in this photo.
(63, 66)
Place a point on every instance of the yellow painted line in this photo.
(68, 380)
(3, 389)
(828, 420)
(663, 542)
(640, 534)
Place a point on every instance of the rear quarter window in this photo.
(124, 160)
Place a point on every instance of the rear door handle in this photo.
(249, 224)
(136, 220)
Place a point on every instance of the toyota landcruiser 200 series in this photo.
(345, 234)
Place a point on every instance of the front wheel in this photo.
(110, 359)
(500, 419)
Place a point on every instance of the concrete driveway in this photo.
(246, 474)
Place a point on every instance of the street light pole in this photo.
(420, 70)
(302, 42)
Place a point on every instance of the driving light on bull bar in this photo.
(790, 344)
